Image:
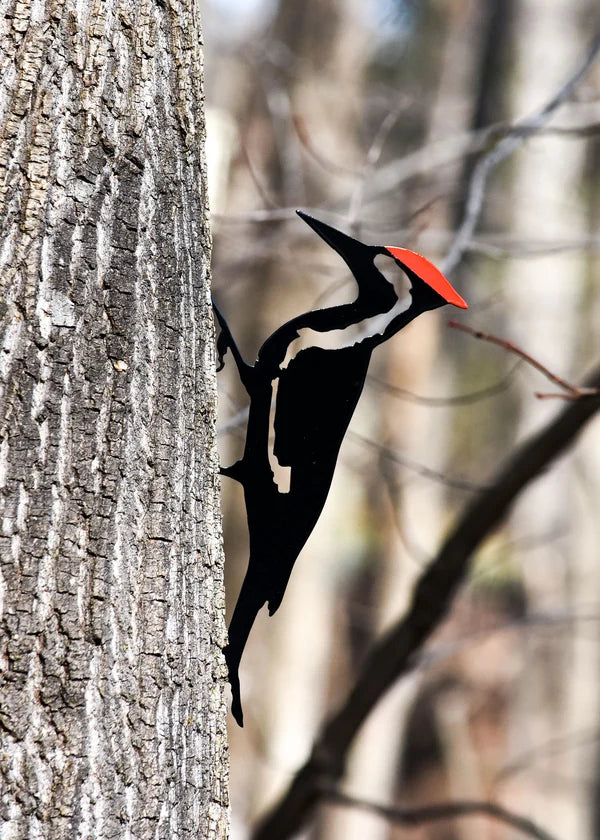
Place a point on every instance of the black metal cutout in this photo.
(317, 392)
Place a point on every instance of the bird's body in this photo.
(317, 390)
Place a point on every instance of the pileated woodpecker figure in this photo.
(317, 390)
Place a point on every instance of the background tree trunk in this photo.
(112, 713)
(559, 578)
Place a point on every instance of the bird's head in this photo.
(429, 287)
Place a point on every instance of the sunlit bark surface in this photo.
(112, 719)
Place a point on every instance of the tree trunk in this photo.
(112, 714)
(558, 697)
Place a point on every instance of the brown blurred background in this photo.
(372, 116)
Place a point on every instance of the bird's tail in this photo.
(249, 602)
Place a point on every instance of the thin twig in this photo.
(496, 249)
(396, 653)
(261, 188)
(578, 394)
(443, 402)
(554, 746)
(439, 811)
(415, 466)
(373, 155)
(574, 392)
(414, 551)
(589, 130)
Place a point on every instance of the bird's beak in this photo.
(347, 247)
(429, 274)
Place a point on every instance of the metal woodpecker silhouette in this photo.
(315, 392)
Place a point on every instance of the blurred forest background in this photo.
(373, 115)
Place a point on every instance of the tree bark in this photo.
(112, 716)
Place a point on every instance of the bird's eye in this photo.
(393, 274)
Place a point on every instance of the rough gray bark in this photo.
(112, 717)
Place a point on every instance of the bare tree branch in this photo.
(555, 746)
(261, 187)
(573, 391)
(443, 402)
(415, 466)
(373, 155)
(500, 248)
(589, 130)
(440, 153)
(439, 811)
(504, 149)
(395, 653)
